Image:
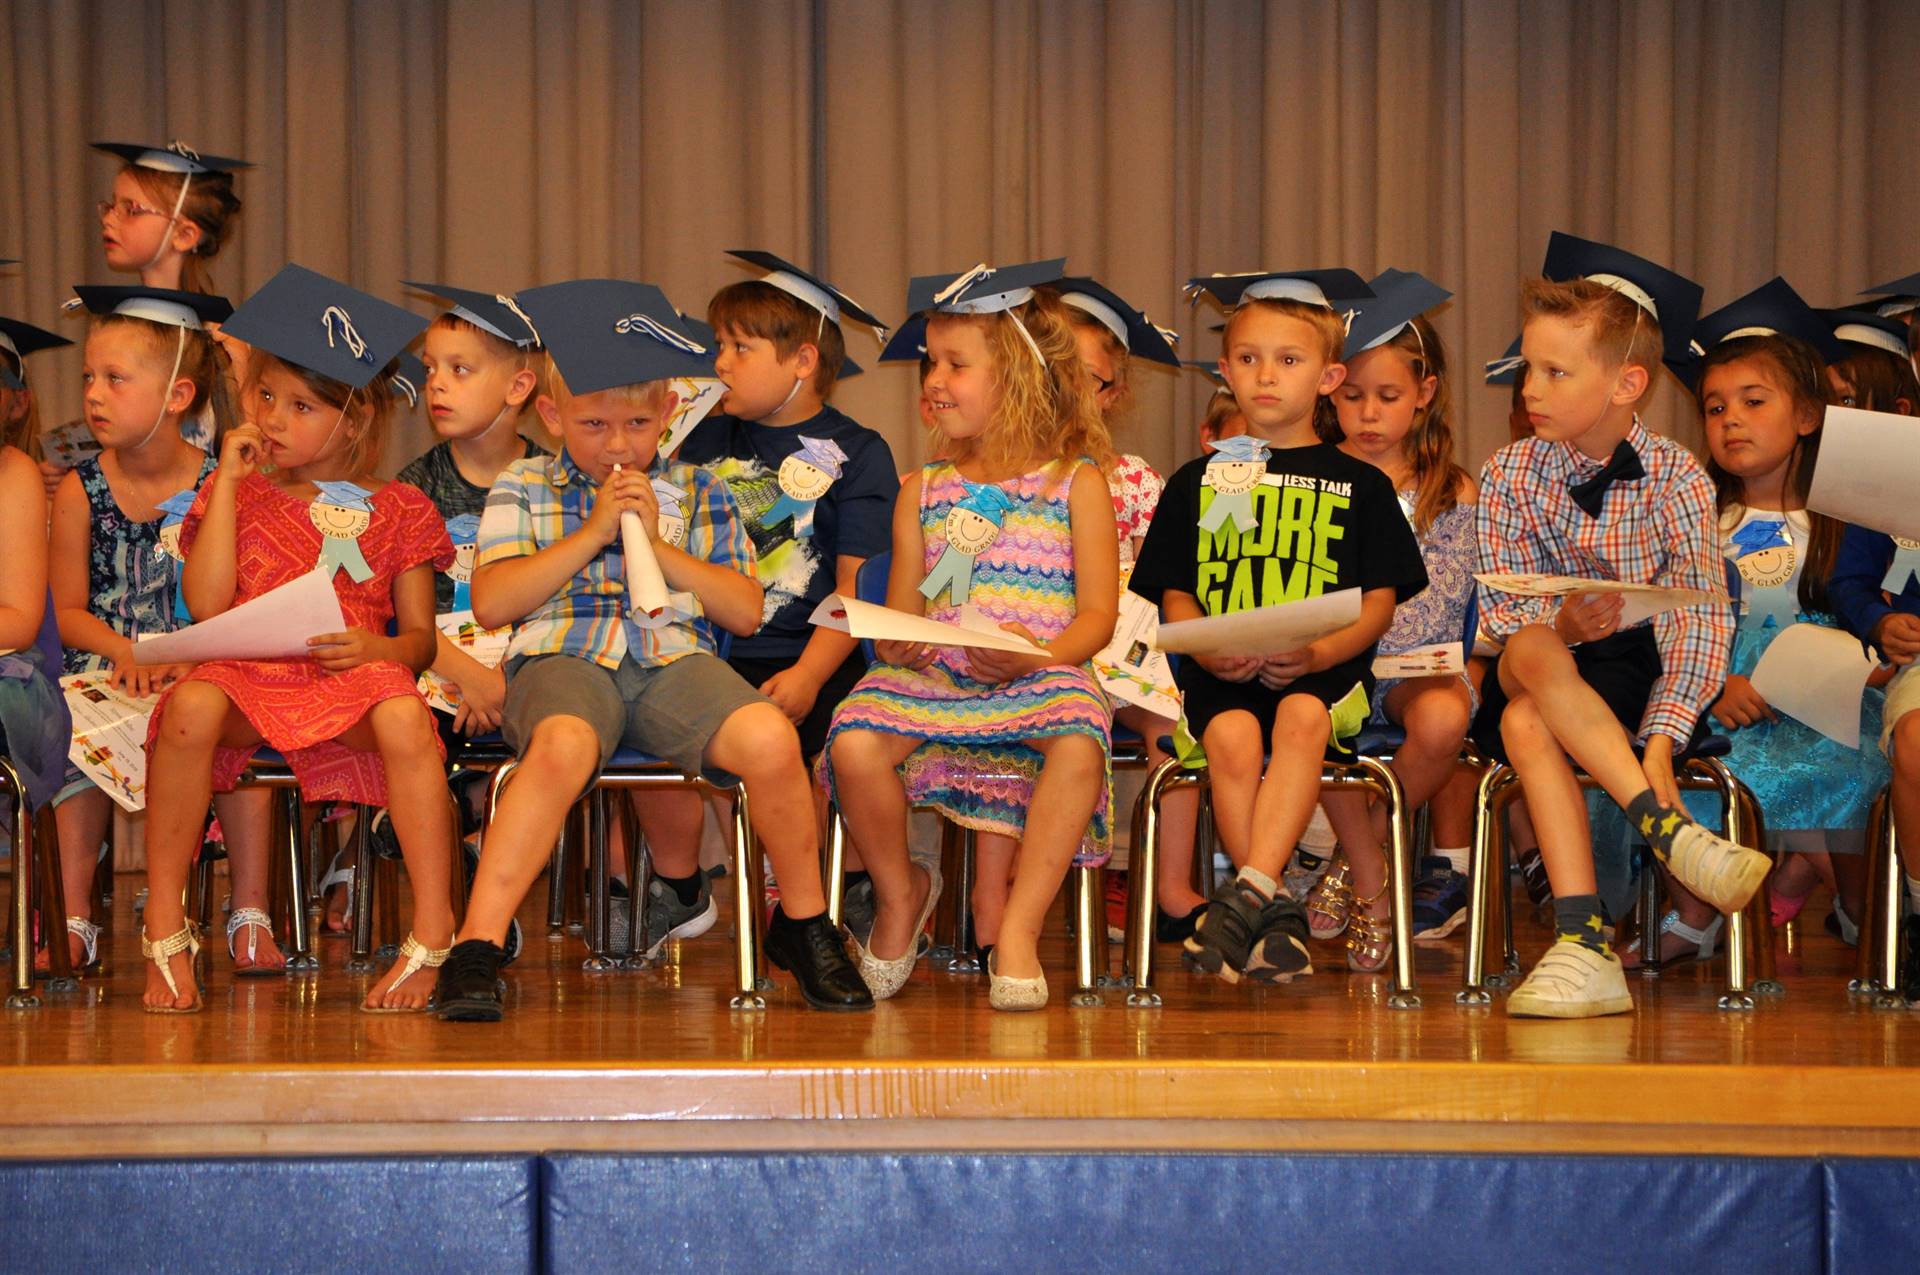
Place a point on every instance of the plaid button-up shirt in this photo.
(1660, 529)
(539, 501)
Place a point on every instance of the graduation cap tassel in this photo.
(648, 326)
(959, 286)
(339, 323)
(519, 314)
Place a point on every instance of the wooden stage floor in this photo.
(656, 1060)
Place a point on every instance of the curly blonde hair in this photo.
(1044, 409)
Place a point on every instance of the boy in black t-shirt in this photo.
(1275, 515)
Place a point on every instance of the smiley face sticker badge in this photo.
(464, 531)
(341, 512)
(1233, 472)
(973, 524)
(1764, 557)
(804, 479)
(671, 528)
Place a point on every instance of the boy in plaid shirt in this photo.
(586, 674)
(1593, 494)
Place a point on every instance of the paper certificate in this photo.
(1268, 630)
(274, 626)
(487, 646)
(1641, 600)
(1816, 675)
(109, 736)
(1129, 668)
(67, 445)
(697, 397)
(883, 624)
(1438, 660)
(1868, 471)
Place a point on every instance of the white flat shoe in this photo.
(1572, 981)
(1004, 992)
(886, 977)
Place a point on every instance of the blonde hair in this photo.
(25, 432)
(1043, 408)
(1620, 331)
(210, 204)
(202, 361)
(650, 394)
(375, 398)
(1328, 326)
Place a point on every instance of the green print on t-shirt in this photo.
(1287, 556)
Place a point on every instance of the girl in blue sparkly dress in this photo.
(1763, 398)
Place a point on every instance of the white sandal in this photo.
(250, 919)
(185, 939)
(89, 942)
(417, 958)
(1700, 941)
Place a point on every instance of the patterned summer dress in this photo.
(975, 767)
(299, 709)
(1439, 612)
(132, 581)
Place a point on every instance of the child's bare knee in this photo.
(1080, 756)
(759, 742)
(1233, 748)
(1301, 722)
(402, 725)
(1530, 646)
(856, 752)
(1437, 721)
(1523, 730)
(194, 716)
(564, 748)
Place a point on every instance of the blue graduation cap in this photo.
(1876, 331)
(823, 454)
(463, 529)
(177, 506)
(324, 326)
(982, 290)
(810, 289)
(494, 313)
(604, 333)
(1399, 297)
(1505, 370)
(1244, 449)
(344, 495)
(1897, 296)
(1760, 534)
(176, 309)
(1772, 309)
(173, 157)
(1138, 335)
(1669, 299)
(17, 340)
(409, 379)
(1313, 287)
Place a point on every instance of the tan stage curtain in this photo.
(501, 143)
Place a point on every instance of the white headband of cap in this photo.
(1108, 317)
(169, 162)
(805, 291)
(1305, 290)
(1867, 334)
(1628, 289)
(155, 310)
(1903, 305)
(1388, 335)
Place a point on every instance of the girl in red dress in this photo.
(295, 492)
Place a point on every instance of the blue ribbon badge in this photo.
(174, 510)
(341, 512)
(973, 524)
(464, 531)
(1233, 473)
(1764, 556)
(1906, 565)
(804, 479)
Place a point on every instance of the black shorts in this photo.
(1347, 697)
(1621, 667)
(813, 730)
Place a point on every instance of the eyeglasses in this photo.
(125, 209)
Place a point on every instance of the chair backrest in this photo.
(870, 585)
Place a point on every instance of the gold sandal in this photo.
(1369, 937)
(417, 958)
(1330, 905)
(185, 939)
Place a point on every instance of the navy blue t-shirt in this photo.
(853, 518)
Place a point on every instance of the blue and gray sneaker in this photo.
(1439, 899)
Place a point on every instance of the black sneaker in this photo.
(469, 990)
(814, 951)
(381, 836)
(470, 858)
(1168, 928)
(667, 917)
(856, 908)
(1228, 927)
(1439, 899)
(1281, 954)
(1533, 872)
(1910, 961)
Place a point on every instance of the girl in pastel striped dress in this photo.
(1015, 528)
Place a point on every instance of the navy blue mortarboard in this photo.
(1312, 287)
(156, 305)
(1505, 370)
(810, 289)
(174, 157)
(409, 377)
(1672, 300)
(492, 312)
(1399, 297)
(1138, 334)
(17, 340)
(1772, 309)
(324, 326)
(982, 290)
(604, 333)
(1896, 296)
(1877, 331)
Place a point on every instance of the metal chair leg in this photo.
(1885, 904)
(639, 885)
(1143, 877)
(387, 930)
(1090, 936)
(360, 900)
(1766, 967)
(1482, 861)
(963, 960)
(835, 868)
(300, 959)
(1865, 974)
(599, 918)
(945, 941)
(1405, 994)
(24, 852)
(749, 952)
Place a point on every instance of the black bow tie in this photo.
(1622, 466)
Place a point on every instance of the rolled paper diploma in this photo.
(645, 585)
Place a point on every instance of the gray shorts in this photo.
(670, 711)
